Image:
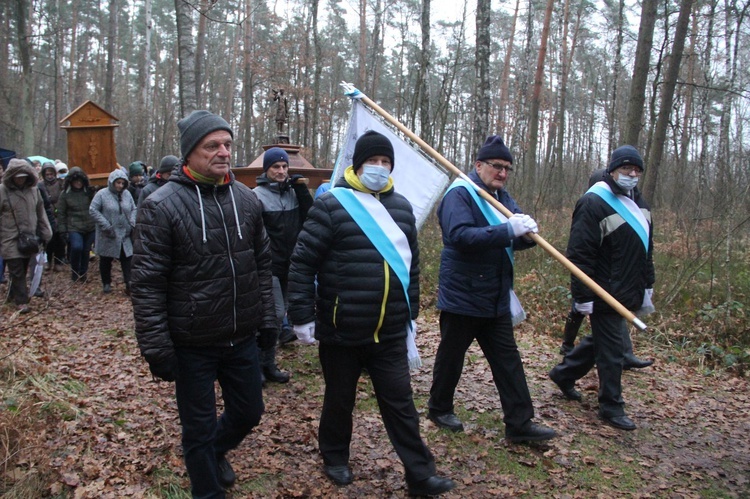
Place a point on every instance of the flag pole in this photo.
(354, 93)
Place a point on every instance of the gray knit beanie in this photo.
(168, 163)
(196, 126)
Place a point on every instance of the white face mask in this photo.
(374, 177)
(626, 181)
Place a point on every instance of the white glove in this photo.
(305, 333)
(521, 224)
(586, 308)
(412, 354)
(648, 306)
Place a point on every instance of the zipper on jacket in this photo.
(231, 263)
(335, 310)
(385, 301)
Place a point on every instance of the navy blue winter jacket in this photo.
(475, 270)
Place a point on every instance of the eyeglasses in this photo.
(628, 169)
(498, 167)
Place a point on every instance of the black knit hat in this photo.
(168, 163)
(625, 155)
(596, 176)
(372, 144)
(274, 155)
(196, 126)
(494, 148)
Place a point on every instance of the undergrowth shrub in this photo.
(701, 292)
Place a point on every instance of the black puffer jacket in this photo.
(609, 251)
(201, 271)
(354, 293)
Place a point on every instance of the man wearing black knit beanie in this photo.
(611, 241)
(475, 294)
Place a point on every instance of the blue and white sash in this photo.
(494, 217)
(626, 208)
(390, 241)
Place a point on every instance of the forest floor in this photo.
(81, 417)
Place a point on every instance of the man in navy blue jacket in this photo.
(474, 295)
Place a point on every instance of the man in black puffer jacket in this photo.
(201, 286)
(611, 240)
(363, 310)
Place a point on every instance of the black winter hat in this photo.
(494, 148)
(596, 176)
(196, 126)
(372, 144)
(274, 155)
(625, 155)
(168, 163)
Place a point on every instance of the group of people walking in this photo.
(219, 269)
(221, 274)
(66, 218)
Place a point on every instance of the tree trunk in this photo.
(536, 97)
(27, 82)
(680, 196)
(109, 83)
(248, 77)
(567, 59)
(186, 56)
(200, 50)
(505, 79)
(612, 114)
(362, 45)
(316, 82)
(667, 96)
(637, 96)
(423, 77)
(482, 70)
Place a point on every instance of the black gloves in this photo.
(165, 369)
(267, 338)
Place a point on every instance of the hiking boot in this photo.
(275, 375)
(106, 289)
(287, 336)
(446, 421)
(340, 475)
(226, 473)
(529, 432)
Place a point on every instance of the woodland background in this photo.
(564, 82)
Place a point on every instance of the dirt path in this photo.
(119, 436)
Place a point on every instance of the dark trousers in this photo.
(268, 356)
(495, 337)
(204, 438)
(604, 347)
(55, 249)
(17, 289)
(105, 268)
(388, 368)
(80, 248)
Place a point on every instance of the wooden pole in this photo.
(539, 240)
